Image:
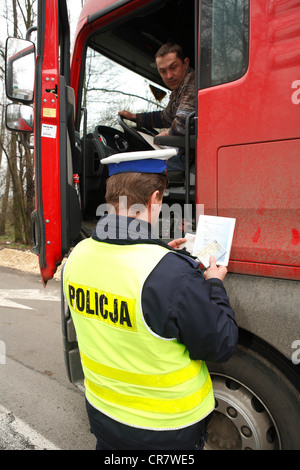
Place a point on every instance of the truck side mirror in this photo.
(19, 117)
(19, 71)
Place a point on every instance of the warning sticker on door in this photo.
(49, 131)
(49, 112)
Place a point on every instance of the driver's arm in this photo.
(149, 120)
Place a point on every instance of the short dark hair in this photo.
(137, 187)
(171, 47)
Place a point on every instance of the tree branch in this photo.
(126, 94)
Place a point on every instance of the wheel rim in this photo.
(240, 421)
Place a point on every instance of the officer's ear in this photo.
(155, 198)
(154, 207)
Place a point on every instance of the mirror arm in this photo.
(29, 31)
(25, 142)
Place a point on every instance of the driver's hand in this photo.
(127, 115)
(164, 133)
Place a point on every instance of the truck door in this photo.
(56, 220)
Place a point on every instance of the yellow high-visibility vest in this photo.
(131, 374)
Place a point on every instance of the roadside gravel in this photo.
(23, 260)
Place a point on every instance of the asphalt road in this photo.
(39, 408)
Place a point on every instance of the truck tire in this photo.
(257, 407)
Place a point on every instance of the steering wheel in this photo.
(133, 131)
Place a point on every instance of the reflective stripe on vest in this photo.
(154, 405)
(162, 381)
(136, 377)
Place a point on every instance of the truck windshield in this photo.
(224, 41)
(110, 87)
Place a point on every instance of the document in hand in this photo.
(212, 249)
(214, 237)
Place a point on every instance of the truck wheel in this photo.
(256, 407)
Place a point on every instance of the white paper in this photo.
(212, 228)
(150, 140)
(49, 131)
(189, 244)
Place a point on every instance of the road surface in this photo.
(39, 408)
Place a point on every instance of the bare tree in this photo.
(20, 16)
(5, 183)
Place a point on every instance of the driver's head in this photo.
(172, 65)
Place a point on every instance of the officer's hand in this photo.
(176, 243)
(214, 271)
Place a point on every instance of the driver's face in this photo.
(172, 70)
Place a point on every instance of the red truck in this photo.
(245, 164)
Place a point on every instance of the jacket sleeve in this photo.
(194, 311)
(153, 119)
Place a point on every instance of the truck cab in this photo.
(243, 141)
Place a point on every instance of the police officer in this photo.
(146, 319)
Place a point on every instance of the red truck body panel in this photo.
(248, 153)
